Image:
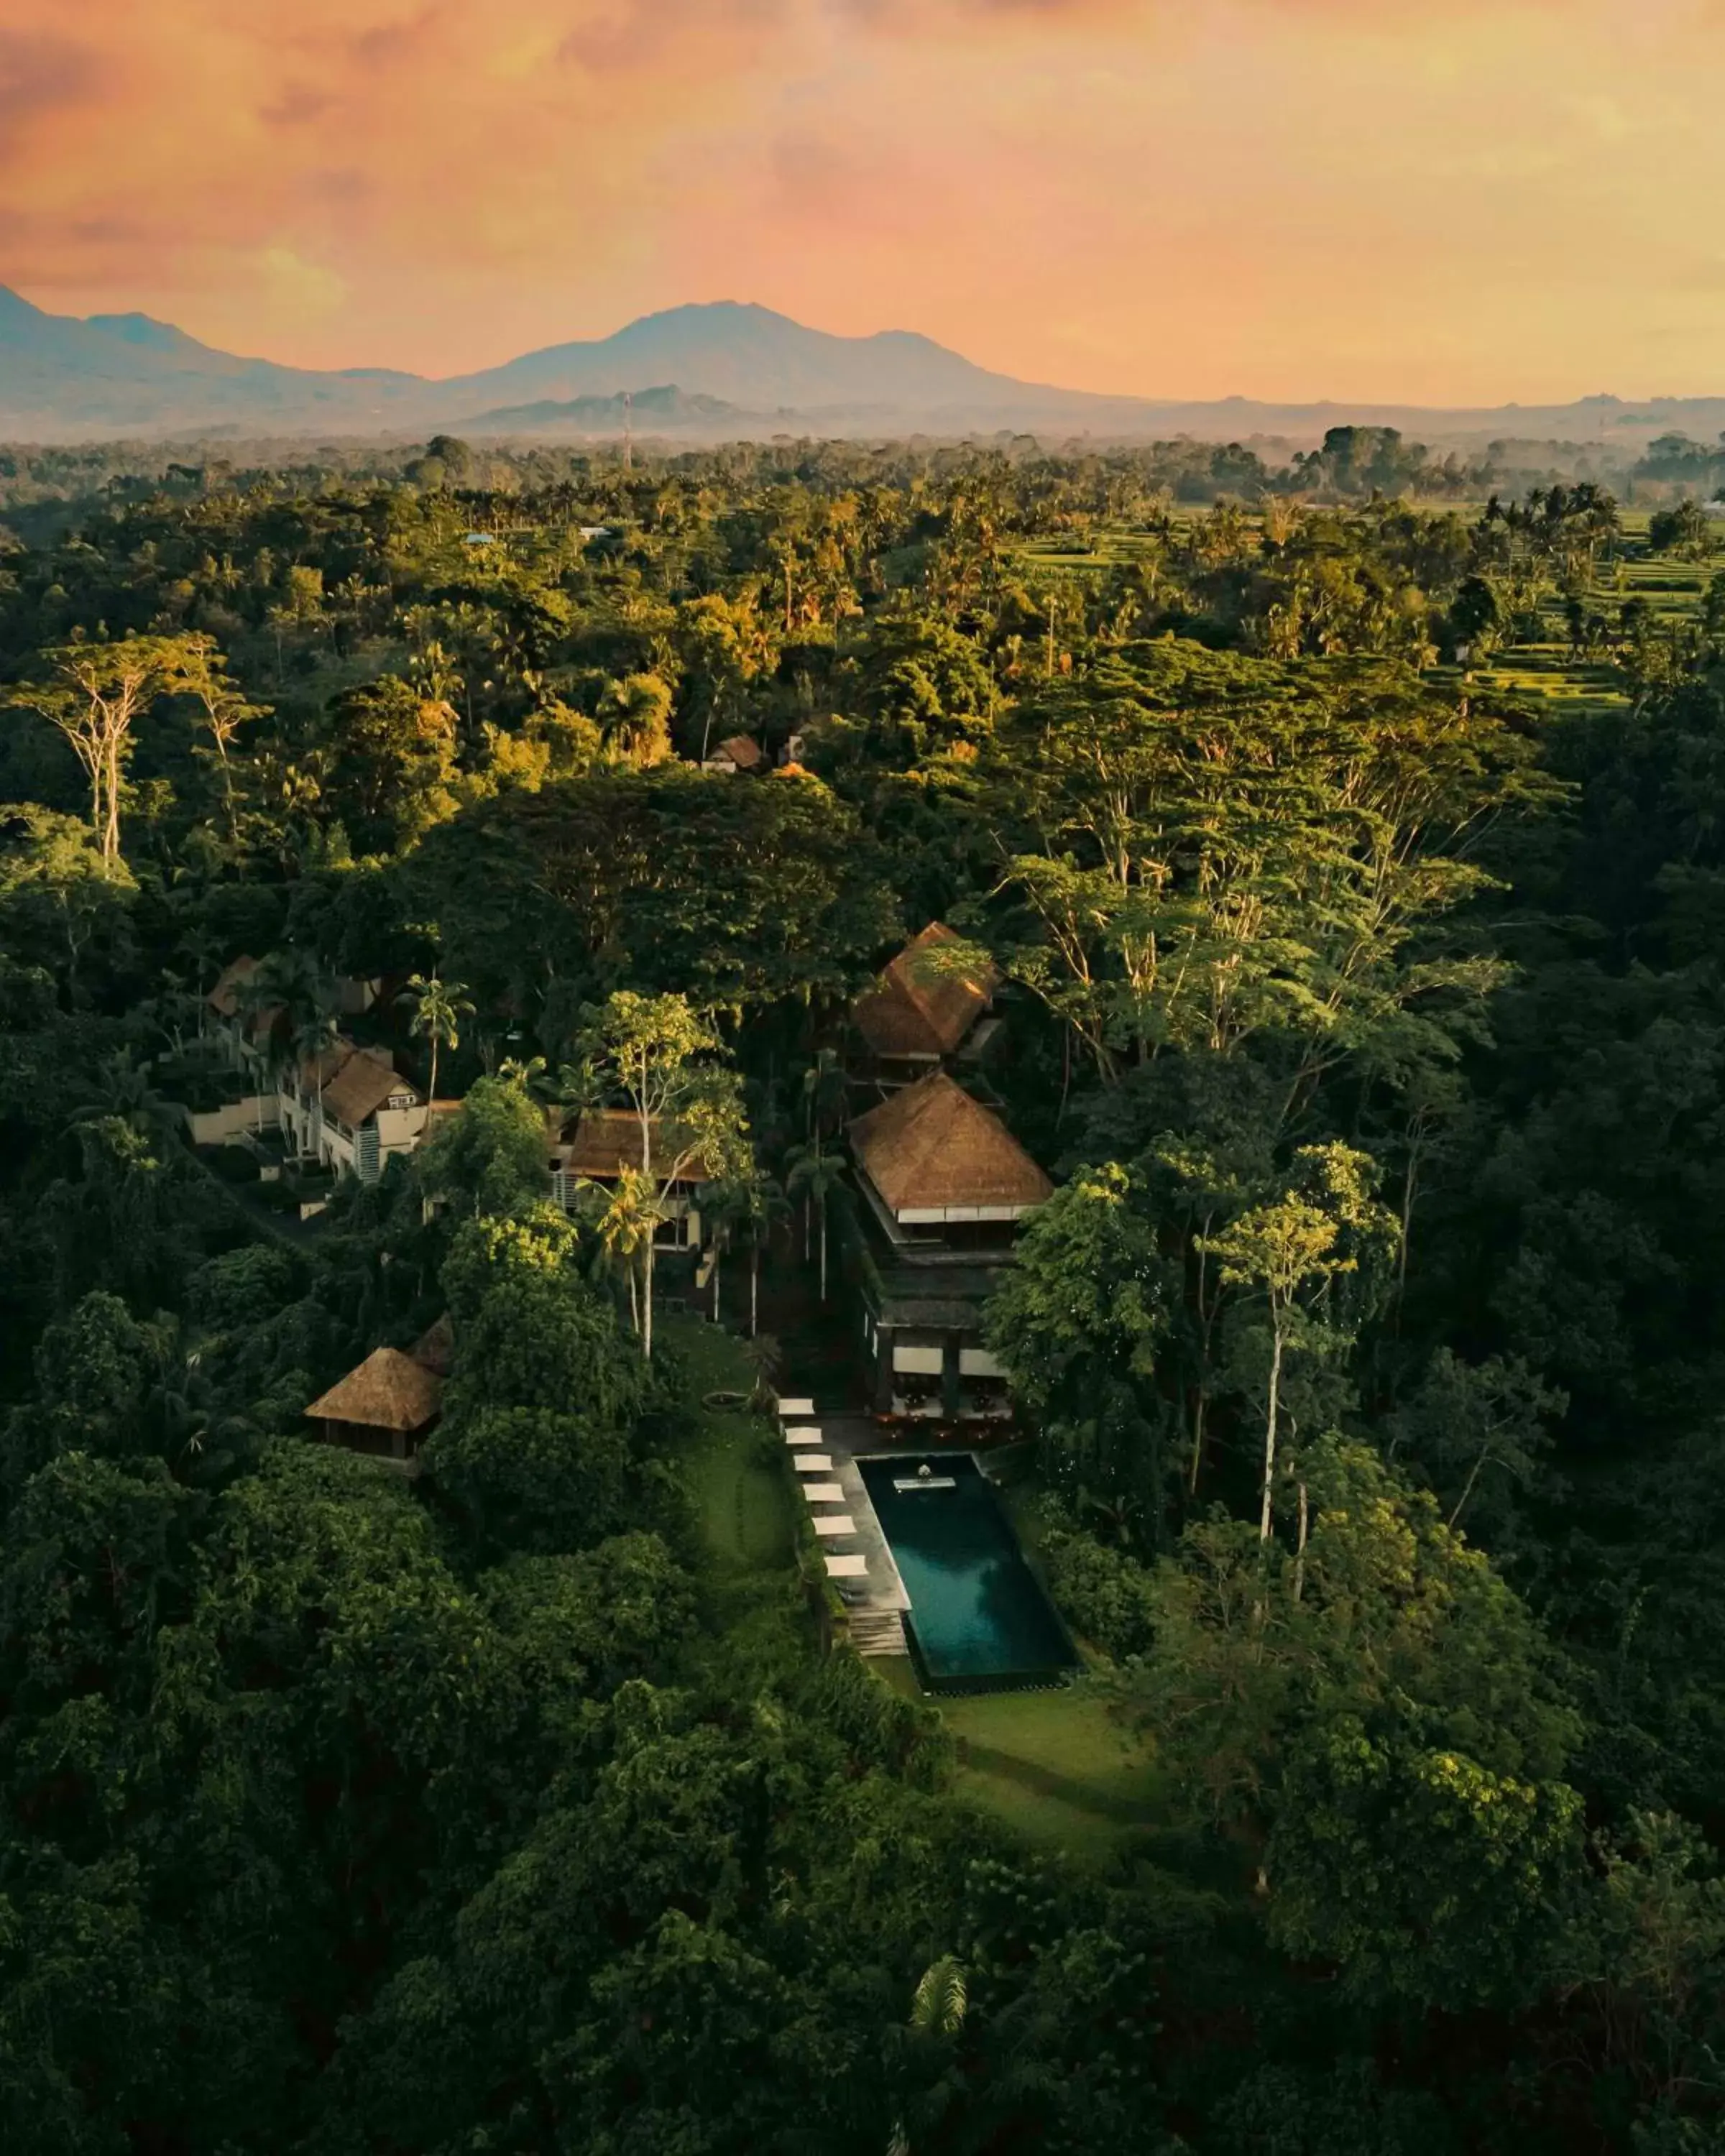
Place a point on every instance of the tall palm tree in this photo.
(822, 1090)
(938, 2017)
(439, 1008)
(313, 1037)
(816, 1175)
(626, 1230)
(205, 949)
(720, 1206)
(300, 999)
(764, 1206)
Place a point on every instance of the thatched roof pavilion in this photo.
(933, 1153)
(386, 1405)
(926, 1003)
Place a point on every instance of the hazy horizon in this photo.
(1290, 201)
(1267, 401)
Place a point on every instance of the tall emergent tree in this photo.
(664, 1059)
(94, 695)
(439, 1008)
(1291, 1251)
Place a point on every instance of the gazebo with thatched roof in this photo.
(384, 1408)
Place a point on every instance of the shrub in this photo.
(1106, 1594)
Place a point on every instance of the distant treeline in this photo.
(39, 484)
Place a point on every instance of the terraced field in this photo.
(1673, 592)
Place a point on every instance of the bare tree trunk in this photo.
(110, 836)
(754, 1291)
(1269, 1422)
(650, 1251)
(647, 1298)
(823, 1249)
(1300, 1556)
(1205, 1320)
(1199, 1434)
(1473, 1476)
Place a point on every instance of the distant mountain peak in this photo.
(742, 367)
(145, 332)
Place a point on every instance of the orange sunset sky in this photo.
(1445, 200)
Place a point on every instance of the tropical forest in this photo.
(860, 1298)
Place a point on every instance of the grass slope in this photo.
(742, 1505)
(1058, 1767)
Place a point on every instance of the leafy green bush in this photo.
(1105, 1593)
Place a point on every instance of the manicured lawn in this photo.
(1060, 1767)
(741, 1498)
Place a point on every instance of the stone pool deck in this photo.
(843, 1439)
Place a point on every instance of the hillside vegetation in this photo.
(1353, 864)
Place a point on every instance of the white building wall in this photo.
(233, 1119)
(918, 1362)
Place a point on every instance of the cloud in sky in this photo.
(1444, 199)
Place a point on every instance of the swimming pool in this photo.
(979, 1619)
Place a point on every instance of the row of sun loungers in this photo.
(803, 1438)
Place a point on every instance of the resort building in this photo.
(601, 1145)
(384, 1409)
(350, 1110)
(931, 1004)
(943, 1186)
(737, 754)
(347, 1109)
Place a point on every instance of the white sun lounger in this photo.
(834, 1524)
(788, 1409)
(812, 1463)
(803, 1436)
(824, 1493)
(849, 1567)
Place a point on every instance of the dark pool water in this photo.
(977, 1608)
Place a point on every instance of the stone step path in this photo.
(877, 1632)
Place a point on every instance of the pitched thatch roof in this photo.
(388, 1391)
(224, 996)
(920, 1007)
(606, 1140)
(746, 754)
(932, 1149)
(361, 1081)
(435, 1350)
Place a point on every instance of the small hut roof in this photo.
(388, 1391)
(606, 1141)
(435, 1350)
(742, 752)
(361, 1083)
(931, 1148)
(224, 996)
(920, 1007)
